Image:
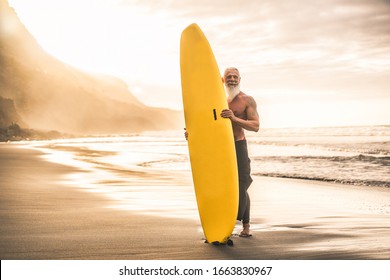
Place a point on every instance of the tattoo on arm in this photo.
(253, 111)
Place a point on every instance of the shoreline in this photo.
(42, 218)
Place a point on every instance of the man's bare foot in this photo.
(245, 232)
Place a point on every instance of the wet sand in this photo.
(42, 218)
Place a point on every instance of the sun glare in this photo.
(97, 36)
(139, 43)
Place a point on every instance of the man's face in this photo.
(232, 78)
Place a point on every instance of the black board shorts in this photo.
(245, 180)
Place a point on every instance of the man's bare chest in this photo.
(238, 108)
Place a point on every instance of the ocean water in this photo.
(347, 155)
(151, 172)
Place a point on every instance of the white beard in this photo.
(232, 92)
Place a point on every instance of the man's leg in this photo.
(246, 219)
(245, 181)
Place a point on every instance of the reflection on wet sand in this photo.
(138, 175)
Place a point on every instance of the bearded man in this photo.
(243, 114)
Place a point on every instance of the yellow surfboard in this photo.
(210, 141)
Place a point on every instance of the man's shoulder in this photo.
(247, 98)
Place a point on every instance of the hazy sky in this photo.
(306, 62)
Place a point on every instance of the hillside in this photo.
(40, 92)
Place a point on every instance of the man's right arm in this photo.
(252, 122)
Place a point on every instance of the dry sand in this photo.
(41, 218)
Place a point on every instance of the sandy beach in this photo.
(42, 218)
